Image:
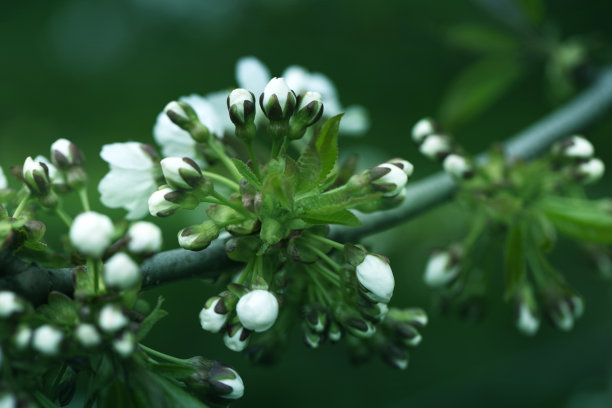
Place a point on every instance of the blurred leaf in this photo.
(514, 258)
(477, 88)
(327, 145)
(60, 309)
(246, 172)
(580, 219)
(155, 316)
(344, 217)
(535, 10)
(480, 38)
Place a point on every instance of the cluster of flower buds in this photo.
(440, 147)
(576, 154)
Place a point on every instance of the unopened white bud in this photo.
(440, 269)
(591, 170)
(236, 338)
(213, 315)
(87, 335)
(36, 176)
(174, 108)
(405, 165)
(309, 109)
(277, 100)
(111, 319)
(375, 275)
(230, 380)
(241, 106)
(65, 154)
(395, 176)
(144, 238)
(436, 146)
(47, 340)
(91, 233)
(164, 202)
(527, 321)
(575, 147)
(181, 173)
(124, 344)
(9, 304)
(257, 310)
(457, 166)
(121, 272)
(422, 129)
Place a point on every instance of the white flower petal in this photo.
(3, 182)
(252, 74)
(355, 121)
(126, 155)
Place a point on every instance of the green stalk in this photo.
(225, 159)
(254, 161)
(21, 205)
(158, 354)
(221, 179)
(324, 240)
(63, 216)
(84, 198)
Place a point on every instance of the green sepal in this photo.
(242, 249)
(354, 254)
(579, 219)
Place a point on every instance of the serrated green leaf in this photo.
(309, 165)
(60, 309)
(327, 146)
(155, 316)
(580, 219)
(343, 217)
(35, 246)
(476, 88)
(246, 172)
(514, 258)
(480, 38)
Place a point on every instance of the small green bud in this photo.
(198, 237)
(35, 230)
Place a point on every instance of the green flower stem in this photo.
(92, 265)
(21, 205)
(84, 198)
(329, 275)
(228, 203)
(334, 265)
(221, 179)
(214, 145)
(254, 161)
(324, 240)
(158, 354)
(246, 272)
(63, 216)
(275, 149)
(321, 289)
(57, 380)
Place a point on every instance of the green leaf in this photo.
(246, 172)
(174, 395)
(343, 217)
(480, 38)
(514, 258)
(477, 88)
(327, 146)
(155, 316)
(583, 220)
(60, 309)
(309, 165)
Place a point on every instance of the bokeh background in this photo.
(100, 71)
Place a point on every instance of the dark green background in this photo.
(98, 72)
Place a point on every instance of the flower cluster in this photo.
(528, 202)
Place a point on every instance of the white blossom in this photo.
(422, 129)
(395, 176)
(213, 315)
(440, 269)
(8, 400)
(9, 304)
(177, 142)
(435, 146)
(577, 147)
(375, 275)
(144, 238)
(120, 271)
(133, 175)
(111, 319)
(457, 166)
(91, 233)
(47, 339)
(591, 170)
(3, 182)
(22, 337)
(87, 335)
(257, 310)
(124, 344)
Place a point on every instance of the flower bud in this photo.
(375, 312)
(311, 338)
(309, 109)
(124, 344)
(241, 106)
(395, 356)
(121, 272)
(236, 337)
(457, 166)
(181, 173)
(226, 382)
(335, 332)
(527, 319)
(47, 340)
(3, 182)
(87, 335)
(144, 238)
(422, 129)
(442, 267)
(277, 101)
(405, 165)
(436, 147)
(575, 147)
(111, 319)
(360, 327)
(376, 278)
(35, 230)
(257, 310)
(198, 237)
(316, 319)
(564, 310)
(394, 180)
(590, 171)
(91, 233)
(36, 177)
(164, 202)
(185, 117)
(65, 154)
(22, 337)
(10, 304)
(213, 315)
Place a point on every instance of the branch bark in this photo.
(34, 282)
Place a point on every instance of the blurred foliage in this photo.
(96, 72)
